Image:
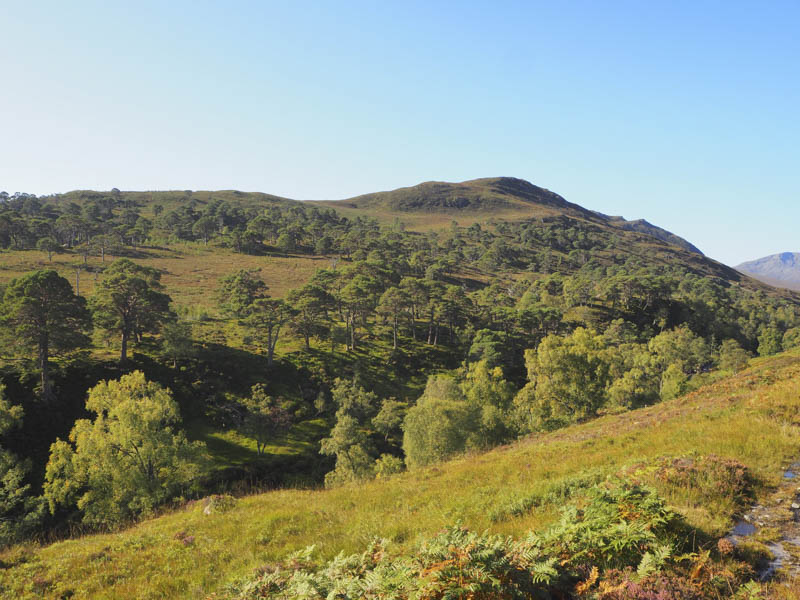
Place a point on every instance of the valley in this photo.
(332, 369)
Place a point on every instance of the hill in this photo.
(780, 270)
(511, 490)
(486, 195)
(425, 207)
(435, 203)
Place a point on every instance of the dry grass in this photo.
(190, 272)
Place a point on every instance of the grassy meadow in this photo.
(190, 271)
(750, 417)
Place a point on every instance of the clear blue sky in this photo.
(682, 112)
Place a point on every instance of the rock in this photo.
(795, 505)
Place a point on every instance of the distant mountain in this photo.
(782, 270)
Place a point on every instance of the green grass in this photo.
(231, 448)
(750, 417)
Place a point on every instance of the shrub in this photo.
(387, 465)
(708, 477)
(218, 503)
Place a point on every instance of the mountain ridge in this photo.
(644, 226)
(482, 193)
(429, 204)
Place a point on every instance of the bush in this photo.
(126, 461)
(218, 503)
(388, 465)
(708, 477)
(439, 425)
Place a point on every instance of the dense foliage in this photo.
(126, 461)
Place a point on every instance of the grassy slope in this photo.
(750, 417)
(190, 272)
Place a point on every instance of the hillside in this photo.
(780, 270)
(747, 418)
(432, 203)
(422, 207)
(643, 226)
(425, 207)
(515, 242)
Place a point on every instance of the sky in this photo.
(682, 112)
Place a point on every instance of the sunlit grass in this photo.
(190, 271)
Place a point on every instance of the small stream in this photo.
(780, 512)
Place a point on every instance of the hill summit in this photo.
(485, 194)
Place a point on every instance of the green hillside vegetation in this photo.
(433, 204)
(738, 431)
(643, 226)
(291, 344)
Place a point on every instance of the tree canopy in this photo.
(44, 316)
(129, 301)
(129, 458)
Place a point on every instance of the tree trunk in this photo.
(394, 333)
(44, 366)
(123, 356)
(430, 329)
